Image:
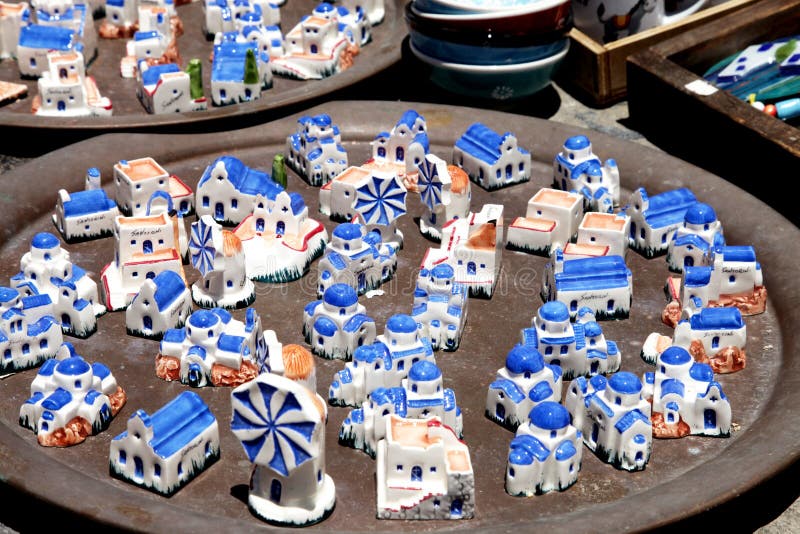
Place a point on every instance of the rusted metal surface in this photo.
(683, 478)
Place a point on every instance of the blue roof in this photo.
(49, 37)
(44, 240)
(169, 286)
(100, 371)
(48, 367)
(540, 392)
(697, 276)
(203, 319)
(675, 355)
(87, 202)
(592, 329)
(230, 343)
(593, 273)
(142, 36)
(565, 451)
(229, 61)
(701, 372)
(355, 322)
(424, 371)
(297, 203)
(625, 382)
(401, 323)
(174, 335)
(595, 400)
(524, 449)
(243, 178)
(668, 208)
(347, 231)
(336, 259)
(443, 271)
(742, 253)
(627, 420)
(524, 358)
(549, 415)
(509, 388)
(692, 239)
(408, 118)
(57, 399)
(481, 142)
(7, 294)
(325, 326)
(35, 301)
(341, 295)
(153, 74)
(700, 213)
(179, 422)
(554, 311)
(42, 325)
(717, 319)
(73, 366)
(672, 385)
(577, 142)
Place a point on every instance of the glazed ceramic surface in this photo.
(675, 483)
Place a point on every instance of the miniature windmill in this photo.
(281, 425)
(444, 198)
(379, 202)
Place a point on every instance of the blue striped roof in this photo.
(716, 319)
(668, 208)
(509, 388)
(169, 286)
(179, 422)
(593, 273)
(355, 322)
(692, 239)
(627, 420)
(525, 449)
(482, 142)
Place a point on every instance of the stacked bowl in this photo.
(493, 49)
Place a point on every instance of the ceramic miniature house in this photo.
(219, 256)
(440, 307)
(70, 400)
(355, 21)
(614, 417)
(281, 425)
(545, 455)
(213, 349)
(163, 302)
(239, 73)
(167, 89)
(47, 269)
(374, 9)
(491, 160)
(524, 382)
(228, 190)
(120, 20)
(472, 246)
(12, 18)
(223, 16)
(402, 149)
(551, 221)
(36, 41)
(423, 472)
(576, 168)
(384, 364)
(693, 242)
(419, 396)
(335, 325)
(579, 348)
(603, 284)
(84, 215)
(66, 91)
(685, 397)
(654, 219)
(164, 450)
(76, 16)
(357, 258)
(137, 180)
(279, 239)
(600, 234)
(29, 330)
(445, 193)
(315, 150)
(145, 247)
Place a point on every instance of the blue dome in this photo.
(322, 119)
(424, 371)
(554, 311)
(524, 358)
(44, 240)
(549, 415)
(340, 295)
(699, 213)
(94, 172)
(366, 353)
(401, 324)
(577, 142)
(73, 366)
(592, 329)
(625, 382)
(203, 319)
(324, 7)
(675, 356)
(701, 372)
(442, 271)
(347, 231)
(8, 294)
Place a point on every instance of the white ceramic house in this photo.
(223, 16)
(335, 325)
(212, 349)
(419, 396)
(47, 269)
(145, 247)
(121, 18)
(76, 16)
(219, 256)
(288, 484)
(423, 472)
(279, 239)
(694, 242)
(136, 180)
(29, 331)
(374, 9)
(84, 215)
(716, 336)
(316, 48)
(384, 364)
(654, 219)
(600, 234)
(603, 284)
(13, 16)
(545, 455)
(167, 89)
(66, 91)
(440, 307)
(576, 168)
(239, 73)
(355, 21)
(357, 258)
(70, 400)
(686, 398)
(315, 150)
(579, 348)
(523, 382)
(492, 160)
(228, 190)
(252, 28)
(164, 450)
(155, 41)
(36, 41)
(472, 246)
(614, 417)
(550, 222)
(445, 193)
(163, 302)
(402, 149)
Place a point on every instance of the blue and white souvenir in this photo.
(491, 160)
(576, 168)
(335, 325)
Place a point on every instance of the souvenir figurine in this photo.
(374, 9)
(545, 455)
(440, 306)
(491, 160)
(239, 73)
(446, 489)
(75, 95)
(402, 149)
(34, 316)
(163, 302)
(167, 89)
(122, 18)
(445, 193)
(85, 215)
(70, 400)
(315, 150)
(523, 383)
(654, 219)
(614, 417)
(165, 450)
(692, 242)
(281, 425)
(600, 234)
(224, 16)
(154, 43)
(577, 169)
(12, 17)
(335, 325)
(137, 182)
(551, 221)
(65, 14)
(36, 41)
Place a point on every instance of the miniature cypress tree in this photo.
(279, 170)
(195, 70)
(250, 68)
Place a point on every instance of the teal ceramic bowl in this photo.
(493, 82)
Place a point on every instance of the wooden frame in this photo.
(669, 102)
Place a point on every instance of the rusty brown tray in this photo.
(129, 114)
(684, 477)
